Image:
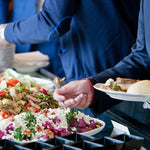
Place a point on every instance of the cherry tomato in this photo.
(47, 101)
(27, 105)
(54, 106)
(2, 93)
(13, 82)
(42, 90)
(36, 110)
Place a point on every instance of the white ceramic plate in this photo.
(29, 67)
(95, 131)
(123, 95)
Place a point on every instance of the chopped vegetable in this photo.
(12, 82)
(4, 115)
(7, 106)
(115, 88)
(42, 90)
(31, 121)
(70, 116)
(2, 93)
(18, 135)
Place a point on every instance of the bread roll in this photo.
(140, 87)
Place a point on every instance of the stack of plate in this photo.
(30, 62)
(6, 56)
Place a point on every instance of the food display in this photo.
(48, 123)
(29, 112)
(20, 94)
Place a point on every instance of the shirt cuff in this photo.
(92, 90)
(2, 33)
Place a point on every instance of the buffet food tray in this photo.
(77, 142)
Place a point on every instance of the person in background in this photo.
(94, 35)
(15, 10)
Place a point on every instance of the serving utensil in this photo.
(58, 85)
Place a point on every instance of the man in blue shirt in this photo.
(22, 10)
(136, 65)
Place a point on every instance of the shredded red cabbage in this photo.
(9, 128)
(44, 136)
(56, 120)
(1, 134)
(92, 124)
(62, 132)
(83, 130)
(48, 125)
(82, 123)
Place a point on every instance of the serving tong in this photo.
(57, 86)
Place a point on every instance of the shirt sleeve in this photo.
(2, 33)
(51, 23)
(136, 66)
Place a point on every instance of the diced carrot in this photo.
(5, 115)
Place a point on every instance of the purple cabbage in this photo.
(56, 120)
(9, 128)
(83, 130)
(82, 123)
(73, 122)
(48, 125)
(92, 124)
(62, 131)
(44, 136)
(1, 134)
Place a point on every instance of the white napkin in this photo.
(119, 129)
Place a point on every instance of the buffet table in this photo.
(138, 138)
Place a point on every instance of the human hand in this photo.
(74, 94)
(2, 40)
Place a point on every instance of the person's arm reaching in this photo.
(52, 22)
(77, 94)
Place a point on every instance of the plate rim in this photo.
(96, 130)
(124, 94)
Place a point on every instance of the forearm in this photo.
(43, 26)
(101, 101)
